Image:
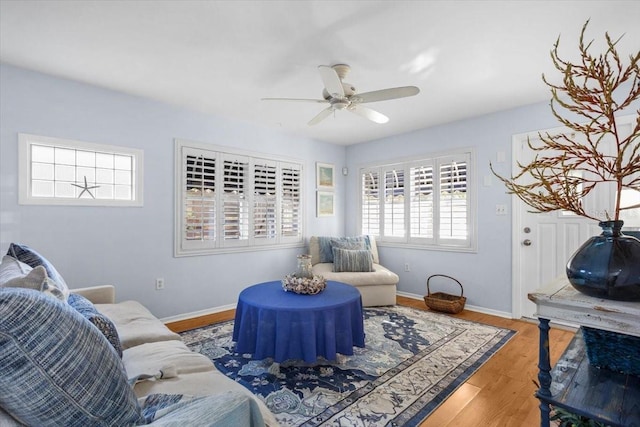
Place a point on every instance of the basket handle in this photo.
(448, 277)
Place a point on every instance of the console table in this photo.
(270, 322)
(573, 384)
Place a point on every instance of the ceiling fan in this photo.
(342, 96)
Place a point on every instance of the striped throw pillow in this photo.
(346, 260)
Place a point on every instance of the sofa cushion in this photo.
(33, 259)
(345, 260)
(57, 369)
(231, 409)
(99, 320)
(150, 358)
(200, 384)
(135, 324)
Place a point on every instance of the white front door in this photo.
(544, 242)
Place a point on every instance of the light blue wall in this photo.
(130, 247)
(485, 275)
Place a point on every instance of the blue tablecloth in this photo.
(283, 325)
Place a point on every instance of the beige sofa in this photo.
(377, 287)
(149, 346)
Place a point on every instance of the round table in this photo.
(270, 322)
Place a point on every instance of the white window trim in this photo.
(250, 244)
(427, 243)
(25, 141)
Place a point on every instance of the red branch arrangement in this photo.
(568, 166)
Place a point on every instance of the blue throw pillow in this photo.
(33, 259)
(99, 320)
(57, 369)
(352, 260)
(326, 245)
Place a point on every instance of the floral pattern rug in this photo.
(412, 361)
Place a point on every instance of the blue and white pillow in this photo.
(345, 260)
(97, 319)
(15, 274)
(57, 369)
(326, 245)
(33, 259)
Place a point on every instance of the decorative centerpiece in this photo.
(568, 166)
(303, 281)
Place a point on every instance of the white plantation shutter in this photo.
(235, 173)
(421, 202)
(232, 202)
(198, 200)
(425, 202)
(370, 196)
(265, 198)
(454, 206)
(291, 212)
(394, 203)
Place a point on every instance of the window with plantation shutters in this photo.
(454, 206)
(290, 212)
(421, 201)
(199, 202)
(394, 203)
(265, 197)
(370, 202)
(233, 201)
(234, 198)
(424, 202)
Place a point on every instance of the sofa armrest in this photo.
(103, 294)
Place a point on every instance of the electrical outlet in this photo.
(406, 266)
(501, 209)
(159, 284)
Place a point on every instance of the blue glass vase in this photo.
(608, 265)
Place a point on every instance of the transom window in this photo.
(231, 201)
(423, 202)
(60, 171)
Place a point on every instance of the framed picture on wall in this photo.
(325, 175)
(325, 203)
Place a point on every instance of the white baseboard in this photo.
(193, 314)
(199, 313)
(477, 309)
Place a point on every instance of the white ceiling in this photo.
(220, 57)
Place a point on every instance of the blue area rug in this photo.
(412, 361)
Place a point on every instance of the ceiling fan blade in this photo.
(368, 113)
(321, 116)
(321, 101)
(331, 81)
(385, 94)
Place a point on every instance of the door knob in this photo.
(526, 242)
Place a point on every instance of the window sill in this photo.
(237, 249)
(471, 250)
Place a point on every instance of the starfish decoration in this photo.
(86, 188)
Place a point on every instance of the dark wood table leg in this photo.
(544, 373)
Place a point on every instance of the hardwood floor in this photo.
(500, 393)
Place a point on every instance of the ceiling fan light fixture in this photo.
(343, 96)
(339, 104)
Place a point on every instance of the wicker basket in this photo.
(444, 302)
(613, 351)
